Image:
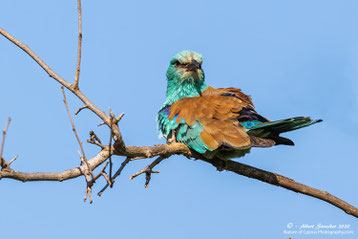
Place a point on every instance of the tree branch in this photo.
(61, 176)
(75, 132)
(3, 163)
(149, 167)
(111, 182)
(77, 76)
(149, 170)
(59, 79)
(13, 159)
(181, 149)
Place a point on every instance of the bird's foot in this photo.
(171, 139)
(220, 165)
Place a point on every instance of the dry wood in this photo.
(77, 76)
(3, 163)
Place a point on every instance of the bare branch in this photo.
(94, 137)
(149, 170)
(95, 143)
(77, 92)
(100, 124)
(119, 117)
(137, 158)
(13, 159)
(153, 151)
(100, 174)
(61, 176)
(75, 132)
(110, 146)
(124, 163)
(3, 162)
(81, 108)
(89, 194)
(149, 167)
(77, 76)
(95, 140)
(105, 175)
(178, 148)
(113, 121)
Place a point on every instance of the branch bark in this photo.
(181, 149)
(117, 134)
(3, 163)
(60, 176)
(77, 76)
(84, 157)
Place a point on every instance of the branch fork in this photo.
(149, 170)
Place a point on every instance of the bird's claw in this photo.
(171, 139)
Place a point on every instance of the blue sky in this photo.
(293, 57)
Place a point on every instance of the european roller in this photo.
(219, 122)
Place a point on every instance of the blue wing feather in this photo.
(189, 135)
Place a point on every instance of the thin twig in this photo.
(95, 140)
(137, 158)
(59, 79)
(89, 181)
(3, 162)
(12, 160)
(105, 175)
(94, 137)
(88, 193)
(95, 143)
(77, 76)
(100, 124)
(95, 162)
(148, 176)
(75, 132)
(119, 117)
(79, 110)
(100, 173)
(124, 163)
(110, 144)
(148, 170)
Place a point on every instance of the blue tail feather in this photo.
(280, 126)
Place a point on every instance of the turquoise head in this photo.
(185, 76)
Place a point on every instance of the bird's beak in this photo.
(193, 66)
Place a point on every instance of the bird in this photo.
(215, 122)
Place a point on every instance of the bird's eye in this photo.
(176, 63)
